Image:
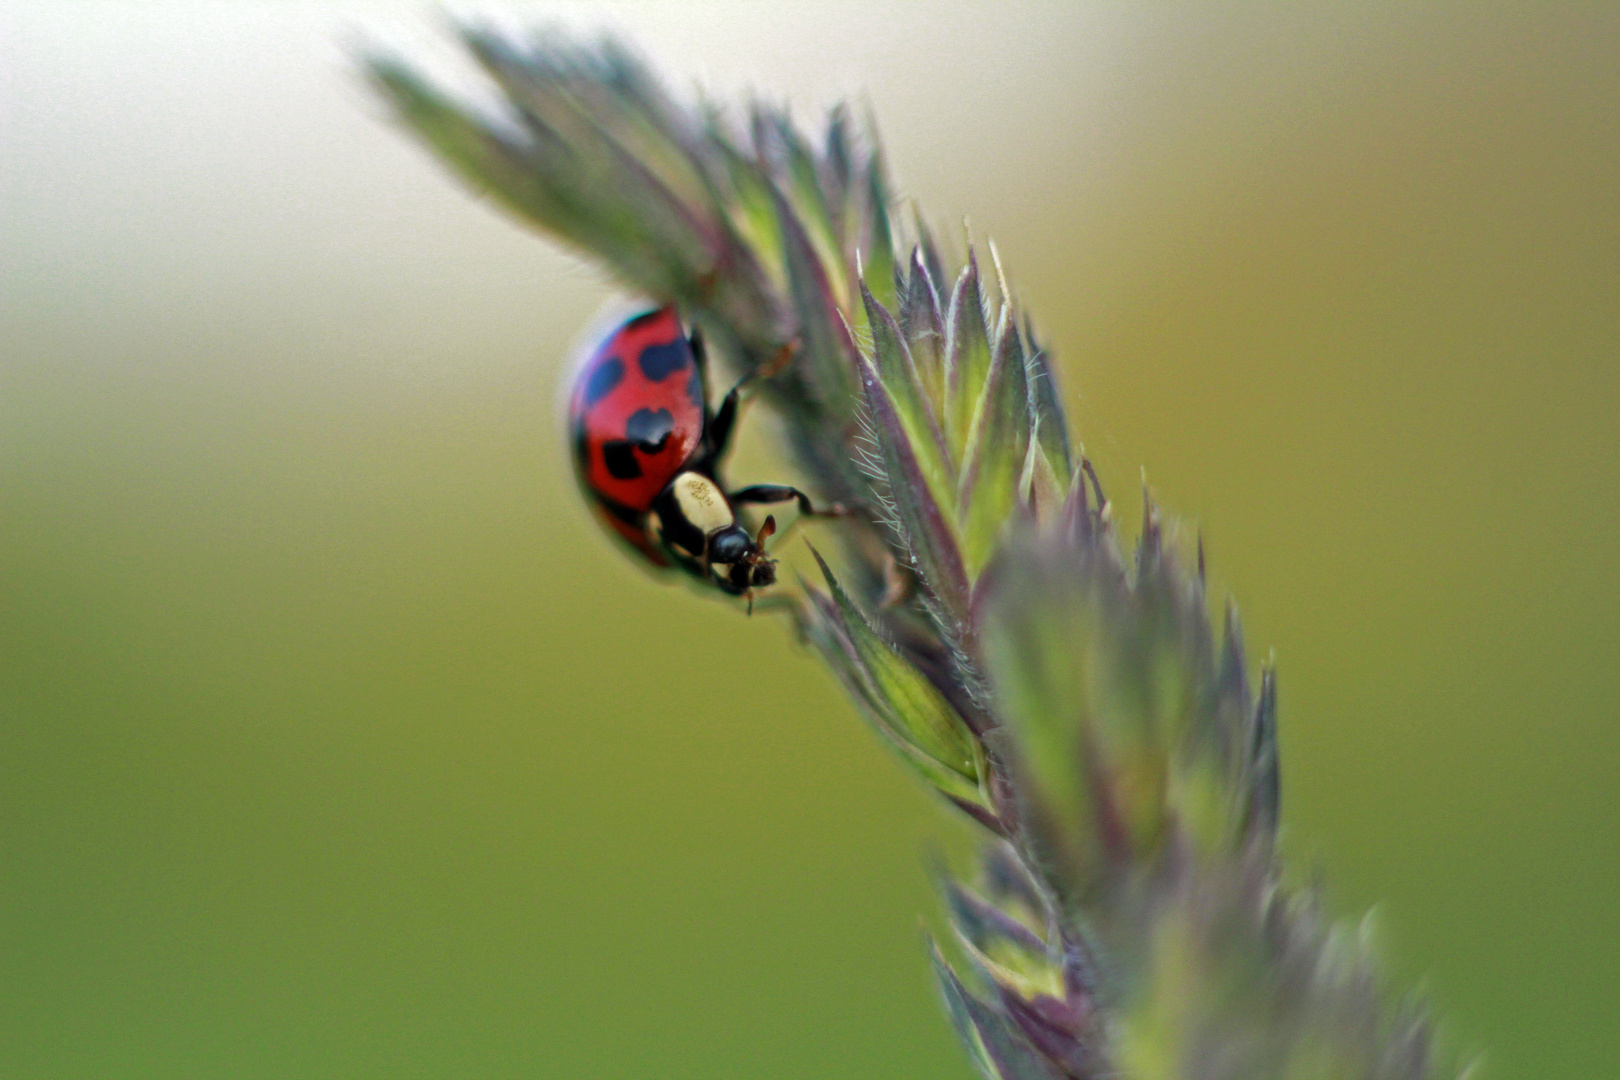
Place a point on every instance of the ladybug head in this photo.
(740, 558)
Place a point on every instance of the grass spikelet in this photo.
(1129, 916)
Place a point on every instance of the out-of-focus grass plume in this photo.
(1129, 917)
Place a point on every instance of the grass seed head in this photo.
(1129, 917)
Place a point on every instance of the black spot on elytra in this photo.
(694, 389)
(657, 361)
(620, 458)
(607, 375)
(649, 428)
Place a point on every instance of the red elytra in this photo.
(637, 412)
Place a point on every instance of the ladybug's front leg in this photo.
(778, 493)
(724, 420)
(718, 425)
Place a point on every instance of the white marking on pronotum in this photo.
(702, 503)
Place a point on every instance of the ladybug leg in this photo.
(725, 418)
(778, 493)
(718, 425)
(723, 421)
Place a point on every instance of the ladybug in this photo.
(647, 450)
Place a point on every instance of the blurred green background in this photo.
(334, 741)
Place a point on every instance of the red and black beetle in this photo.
(648, 450)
